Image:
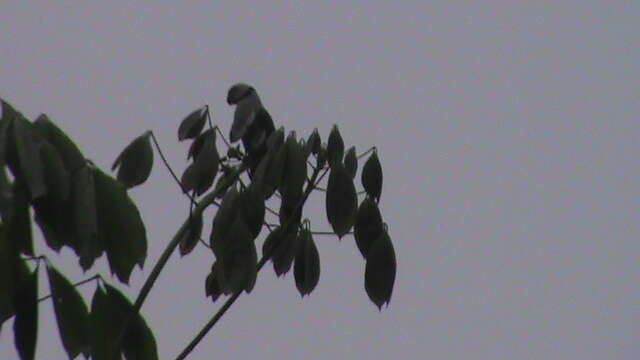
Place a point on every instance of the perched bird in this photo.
(251, 122)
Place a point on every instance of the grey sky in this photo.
(508, 133)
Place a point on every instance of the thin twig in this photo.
(373, 148)
(166, 164)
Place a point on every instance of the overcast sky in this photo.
(508, 132)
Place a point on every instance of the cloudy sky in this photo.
(508, 132)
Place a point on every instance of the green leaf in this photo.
(192, 125)
(85, 214)
(31, 166)
(191, 234)
(223, 220)
(212, 286)
(295, 172)
(368, 226)
(237, 265)
(6, 205)
(69, 152)
(275, 173)
(372, 176)
(276, 139)
(105, 325)
(290, 210)
(11, 270)
(307, 264)
(284, 252)
(135, 162)
(25, 325)
(120, 227)
(335, 146)
(19, 225)
(57, 180)
(252, 208)
(351, 162)
(380, 271)
(341, 200)
(200, 174)
(138, 342)
(313, 142)
(71, 313)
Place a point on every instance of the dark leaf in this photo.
(6, 193)
(138, 342)
(237, 265)
(223, 221)
(368, 226)
(275, 173)
(341, 200)
(191, 234)
(372, 176)
(105, 326)
(295, 172)
(290, 210)
(86, 217)
(275, 140)
(120, 227)
(307, 264)
(71, 313)
(212, 286)
(28, 150)
(12, 270)
(192, 125)
(313, 142)
(335, 146)
(200, 174)
(25, 326)
(274, 237)
(135, 162)
(259, 176)
(57, 180)
(252, 208)
(68, 151)
(196, 145)
(351, 162)
(19, 225)
(284, 252)
(380, 271)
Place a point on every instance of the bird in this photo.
(251, 123)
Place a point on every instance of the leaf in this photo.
(138, 342)
(290, 210)
(372, 176)
(212, 286)
(284, 252)
(252, 208)
(31, 167)
(12, 269)
(380, 271)
(313, 142)
(120, 227)
(85, 214)
(223, 220)
(71, 313)
(368, 225)
(25, 326)
(295, 171)
(307, 264)
(275, 140)
(135, 162)
(19, 225)
(105, 326)
(237, 265)
(57, 180)
(341, 200)
(351, 162)
(192, 125)
(200, 174)
(6, 193)
(69, 152)
(191, 234)
(275, 173)
(335, 146)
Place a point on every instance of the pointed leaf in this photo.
(192, 125)
(372, 176)
(351, 162)
(341, 200)
(275, 140)
(237, 267)
(138, 342)
(25, 326)
(57, 180)
(69, 152)
(135, 162)
(6, 193)
(86, 217)
(253, 209)
(105, 326)
(307, 264)
(380, 271)
(120, 227)
(275, 173)
(191, 235)
(223, 221)
(284, 252)
(71, 313)
(212, 286)
(31, 167)
(19, 225)
(295, 172)
(200, 174)
(335, 146)
(313, 142)
(368, 226)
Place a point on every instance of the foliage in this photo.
(77, 205)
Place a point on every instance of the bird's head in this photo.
(238, 92)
